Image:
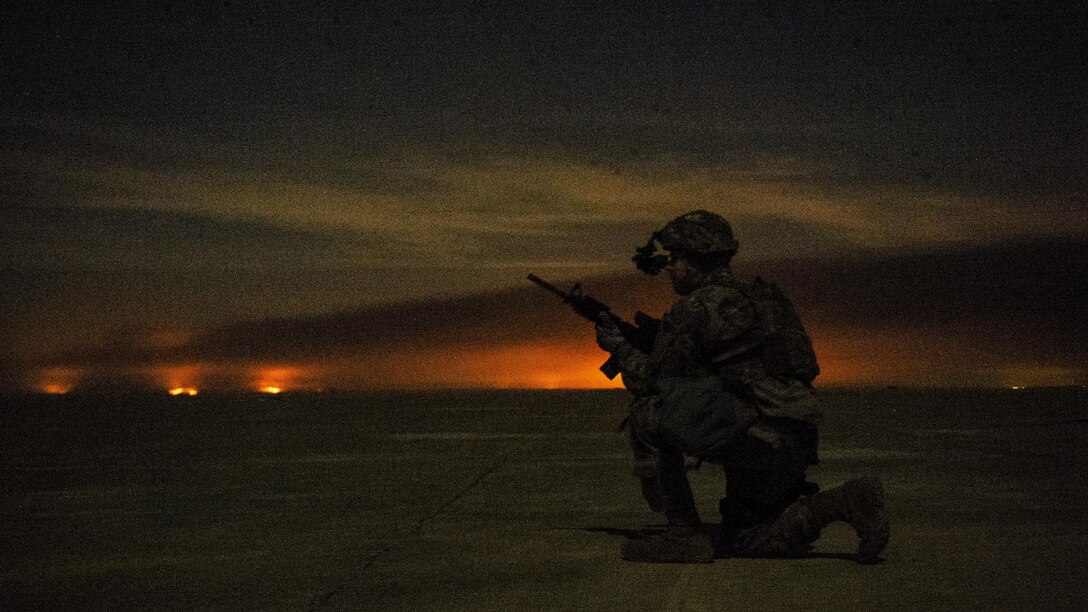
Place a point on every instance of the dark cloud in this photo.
(1022, 302)
(1037, 284)
(286, 161)
(1025, 301)
(488, 320)
(79, 275)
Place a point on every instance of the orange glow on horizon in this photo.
(869, 357)
(58, 381)
(535, 366)
(572, 365)
(280, 378)
(180, 379)
(848, 356)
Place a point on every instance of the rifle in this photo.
(641, 334)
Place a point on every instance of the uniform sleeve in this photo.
(700, 332)
(637, 369)
(676, 348)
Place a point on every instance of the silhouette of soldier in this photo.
(729, 381)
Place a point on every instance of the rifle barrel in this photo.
(550, 287)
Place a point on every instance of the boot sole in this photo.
(874, 536)
(872, 542)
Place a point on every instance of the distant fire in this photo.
(183, 391)
(280, 378)
(58, 381)
(847, 356)
(180, 379)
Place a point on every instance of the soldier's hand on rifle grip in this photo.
(609, 336)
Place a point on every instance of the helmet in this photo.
(698, 232)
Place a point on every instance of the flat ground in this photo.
(512, 500)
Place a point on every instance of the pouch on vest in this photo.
(701, 417)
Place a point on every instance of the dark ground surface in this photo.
(511, 500)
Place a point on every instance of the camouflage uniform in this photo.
(772, 439)
(705, 390)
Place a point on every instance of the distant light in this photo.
(182, 391)
(56, 389)
(272, 390)
(1016, 387)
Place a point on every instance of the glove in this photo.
(609, 336)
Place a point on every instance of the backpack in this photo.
(787, 349)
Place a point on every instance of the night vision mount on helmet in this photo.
(699, 232)
(647, 259)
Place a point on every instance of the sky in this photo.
(350, 194)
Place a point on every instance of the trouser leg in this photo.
(677, 498)
(765, 474)
(685, 540)
(646, 467)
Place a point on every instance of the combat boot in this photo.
(679, 544)
(859, 502)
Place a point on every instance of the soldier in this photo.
(729, 381)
